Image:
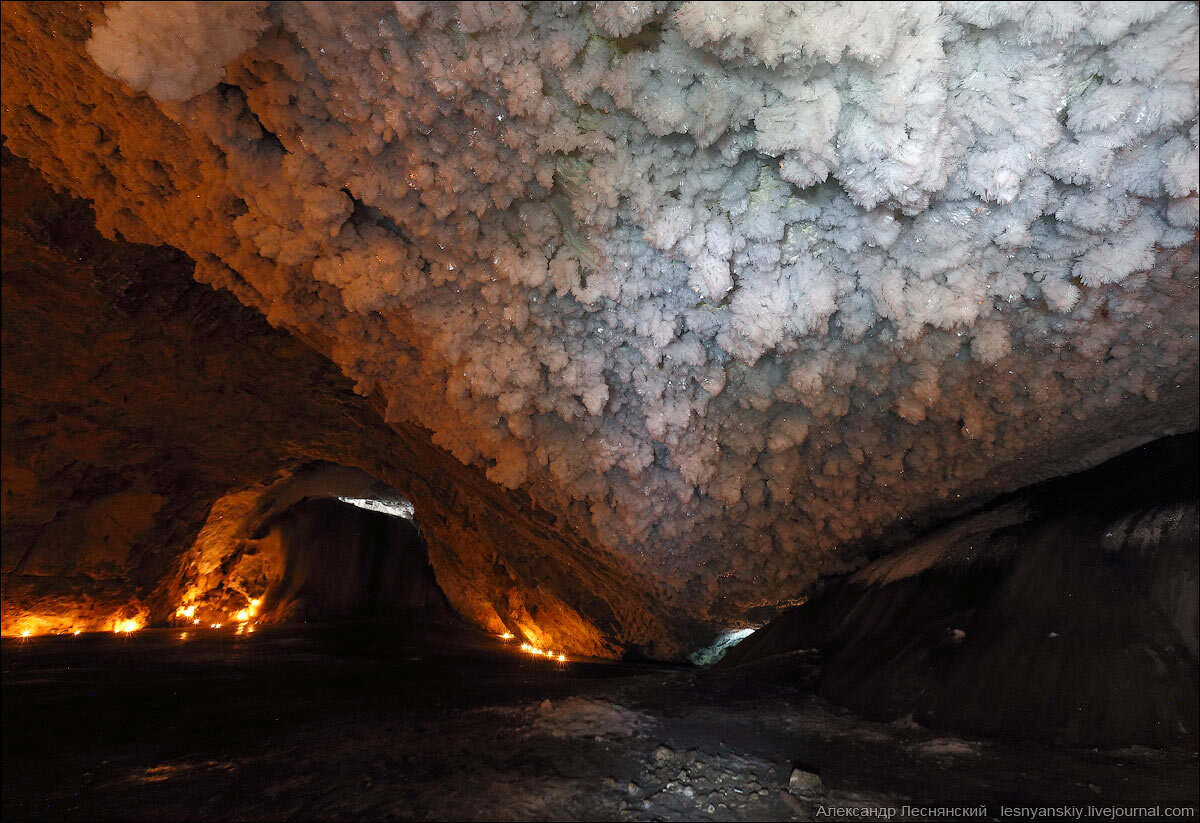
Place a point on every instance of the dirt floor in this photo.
(372, 723)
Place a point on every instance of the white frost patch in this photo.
(174, 51)
(709, 655)
(395, 508)
(587, 717)
(946, 747)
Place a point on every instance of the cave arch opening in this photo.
(326, 542)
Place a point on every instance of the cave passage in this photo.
(344, 561)
(940, 671)
(600, 411)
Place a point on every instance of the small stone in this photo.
(645, 804)
(610, 783)
(804, 782)
(662, 754)
(688, 791)
(711, 808)
(546, 706)
(633, 788)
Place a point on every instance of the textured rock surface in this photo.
(1066, 614)
(135, 399)
(726, 289)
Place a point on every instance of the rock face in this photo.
(140, 406)
(1068, 614)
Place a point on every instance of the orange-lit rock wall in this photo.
(135, 398)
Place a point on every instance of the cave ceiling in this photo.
(725, 293)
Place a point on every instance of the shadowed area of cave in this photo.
(599, 411)
(343, 561)
(1066, 613)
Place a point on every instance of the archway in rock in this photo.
(325, 542)
(342, 560)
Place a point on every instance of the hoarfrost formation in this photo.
(729, 286)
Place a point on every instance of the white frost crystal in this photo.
(726, 284)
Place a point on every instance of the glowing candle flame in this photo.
(547, 653)
(506, 636)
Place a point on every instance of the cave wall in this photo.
(1066, 613)
(134, 398)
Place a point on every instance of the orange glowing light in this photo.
(242, 616)
(186, 611)
(547, 653)
(506, 636)
(26, 632)
(126, 626)
(77, 632)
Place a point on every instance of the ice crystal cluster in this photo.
(728, 286)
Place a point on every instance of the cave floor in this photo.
(366, 722)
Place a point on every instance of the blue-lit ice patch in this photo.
(709, 655)
(395, 508)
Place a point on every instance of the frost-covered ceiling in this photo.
(733, 286)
